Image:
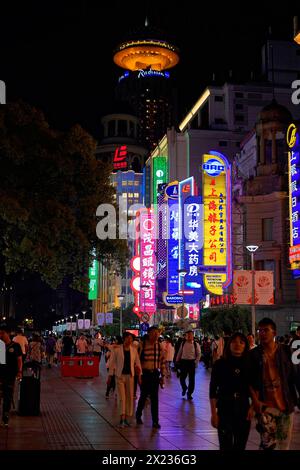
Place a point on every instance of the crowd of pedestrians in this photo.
(251, 378)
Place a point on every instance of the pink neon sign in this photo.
(148, 260)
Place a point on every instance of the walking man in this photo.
(188, 357)
(153, 372)
(9, 371)
(272, 388)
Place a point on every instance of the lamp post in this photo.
(252, 249)
(83, 313)
(71, 318)
(121, 297)
(76, 315)
(182, 272)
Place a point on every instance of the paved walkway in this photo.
(76, 416)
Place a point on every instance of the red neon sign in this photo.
(120, 158)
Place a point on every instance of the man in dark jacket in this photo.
(272, 388)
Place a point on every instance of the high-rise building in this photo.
(146, 57)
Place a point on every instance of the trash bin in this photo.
(30, 390)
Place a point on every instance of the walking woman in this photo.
(229, 394)
(124, 363)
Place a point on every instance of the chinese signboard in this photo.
(171, 194)
(120, 158)
(148, 260)
(186, 188)
(93, 276)
(160, 174)
(294, 199)
(216, 184)
(193, 244)
(242, 287)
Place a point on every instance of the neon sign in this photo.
(120, 158)
(292, 137)
(159, 174)
(93, 276)
(216, 190)
(148, 261)
(171, 194)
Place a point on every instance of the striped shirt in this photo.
(152, 357)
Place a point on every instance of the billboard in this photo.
(293, 142)
(93, 276)
(216, 192)
(160, 175)
(148, 260)
(186, 188)
(263, 287)
(171, 196)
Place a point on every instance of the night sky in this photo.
(58, 55)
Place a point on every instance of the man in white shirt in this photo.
(188, 356)
(82, 346)
(21, 339)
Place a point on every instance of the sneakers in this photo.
(189, 397)
(139, 420)
(126, 423)
(156, 425)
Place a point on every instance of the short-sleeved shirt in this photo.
(10, 369)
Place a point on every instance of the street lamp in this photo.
(252, 249)
(83, 313)
(71, 318)
(121, 297)
(182, 272)
(76, 315)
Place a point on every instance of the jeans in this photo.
(149, 386)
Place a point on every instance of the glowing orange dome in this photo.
(144, 53)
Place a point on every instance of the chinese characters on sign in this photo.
(93, 276)
(120, 158)
(171, 193)
(294, 193)
(148, 260)
(217, 222)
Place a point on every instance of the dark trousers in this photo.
(7, 387)
(187, 368)
(112, 385)
(149, 386)
(234, 428)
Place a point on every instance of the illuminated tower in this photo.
(146, 82)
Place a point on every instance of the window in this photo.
(124, 195)
(130, 183)
(239, 106)
(219, 121)
(136, 183)
(267, 229)
(124, 183)
(239, 118)
(238, 94)
(136, 195)
(222, 143)
(218, 98)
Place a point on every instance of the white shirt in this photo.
(22, 341)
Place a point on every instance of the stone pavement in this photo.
(76, 416)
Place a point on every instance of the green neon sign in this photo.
(93, 276)
(160, 174)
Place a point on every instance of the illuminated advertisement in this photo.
(93, 276)
(171, 195)
(120, 158)
(160, 174)
(186, 188)
(216, 190)
(148, 261)
(162, 234)
(292, 138)
(193, 244)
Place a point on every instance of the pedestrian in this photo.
(206, 352)
(9, 371)
(50, 349)
(124, 363)
(272, 388)
(188, 358)
(251, 341)
(35, 350)
(169, 354)
(153, 372)
(68, 344)
(21, 339)
(295, 350)
(217, 348)
(58, 349)
(229, 395)
(97, 346)
(82, 346)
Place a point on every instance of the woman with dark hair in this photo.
(229, 395)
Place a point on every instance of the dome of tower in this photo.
(274, 112)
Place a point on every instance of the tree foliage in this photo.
(51, 186)
(234, 318)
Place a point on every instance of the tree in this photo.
(51, 186)
(234, 318)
